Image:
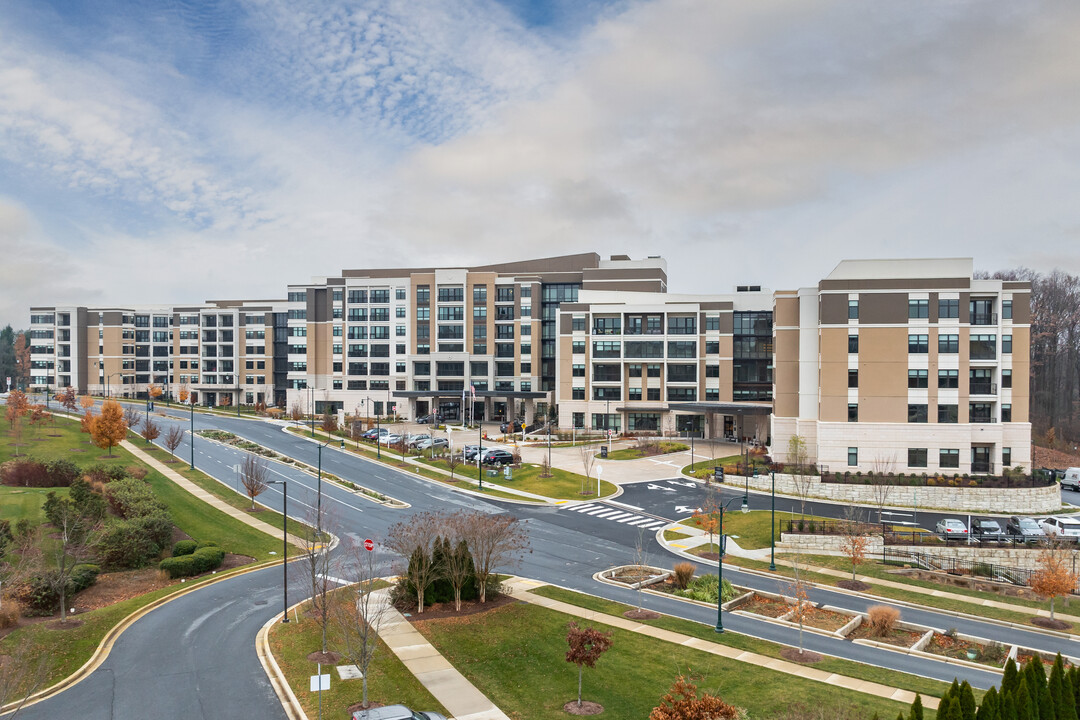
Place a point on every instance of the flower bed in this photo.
(825, 619)
(951, 646)
(767, 606)
(897, 636)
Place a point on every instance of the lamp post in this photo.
(318, 502)
(311, 394)
(284, 547)
(192, 434)
(607, 423)
(720, 561)
(772, 554)
(378, 436)
(479, 455)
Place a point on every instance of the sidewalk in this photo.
(699, 537)
(208, 498)
(459, 696)
(519, 587)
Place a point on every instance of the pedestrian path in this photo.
(519, 587)
(619, 515)
(459, 696)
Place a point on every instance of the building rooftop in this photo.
(903, 269)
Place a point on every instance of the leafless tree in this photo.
(496, 541)
(296, 412)
(357, 610)
(77, 534)
(132, 417)
(23, 556)
(253, 477)
(798, 457)
(174, 438)
(452, 462)
(588, 462)
(151, 431)
(641, 560)
(315, 568)
(880, 485)
(458, 563)
(413, 540)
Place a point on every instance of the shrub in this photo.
(683, 574)
(133, 543)
(205, 559)
(38, 597)
(131, 498)
(184, 547)
(24, 473)
(137, 472)
(9, 614)
(704, 588)
(104, 474)
(62, 472)
(882, 619)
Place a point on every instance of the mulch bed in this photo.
(708, 555)
(956, 648)
(587, 707)
(641, 614)
(440, 611)
(856, 585)
(825, 619)
(805, 657)
(326, 658)
(761, 605)
(900, 638)
(632, 575)
(1049, 624)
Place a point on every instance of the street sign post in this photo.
(369, 544)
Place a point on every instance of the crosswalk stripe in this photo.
(638, 522)
(595, 511)
(607, 514)
(583, 508)
(619, 516)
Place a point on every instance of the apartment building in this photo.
(904, 366)
(466, 342)
(695, 365)
(218, 350)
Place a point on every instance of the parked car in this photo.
(391, 439)
(469, 451)
(1062, 528)
(414, 440)
(1071, 479)
(395, 712)
(987, 530)
(511, 427)
(433, 418)
(950, 527)
(497, 456)
(432, 443)
(1024, 529)
(374, 433)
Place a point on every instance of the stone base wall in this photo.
(1022, 501)
(823, 543)
(1017, 557)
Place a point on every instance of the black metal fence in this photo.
(961, 566)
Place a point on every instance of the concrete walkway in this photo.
(519, 589)
(459, 696)
(698, 538)
(207, 497)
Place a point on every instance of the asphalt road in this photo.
(195, 657)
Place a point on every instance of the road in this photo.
(195, 656)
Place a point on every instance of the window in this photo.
(948, 309)
(600, 421)
(422, 368)
(1006, 457)
(679, 394)
(853, 343)
(504, 332)
(526, 291)
(853, 311)
(949, 458)
(633, 394)
(399, 367)
(607, 373)
(638, 349)
(682, 373)
(504, 294)
(577, 347)
(606, 349)
(578, 419)
(853, 412)
(919, 344)
(1006, 378)
(453, 369)
(1006, 412)
(652, 394)
(447, 312)
(504, 312)
(577, 393)
(423, 294)
(479, 312)
(682, 325)
(1006, 309)
(948, 343)
(358, 314)
(1006, 344)
(983, 347)
(297, 297)
(917, 414)
(450, 294)
(357, 296)
(607, 325)
(852, 456)
(918, 309)
(948, 413)
(916, 457)
(577, 324)
(479, 332)
(607, 393)
(380, 297)
(577, 370)
(682, 349)
(633, 370)
(652, 371)
(399, 330)
(712, 347)
(712, 371)
(450, 332)
(948, 378)
(853, 378)
(981, 412)
(712, 322)
(479, 293)
(982, 311)
(399, 293)
(917, 379)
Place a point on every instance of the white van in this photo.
(1071, 479)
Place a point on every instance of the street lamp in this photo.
(720, 560)
(192, 434)
(311, 394)
(284, 546)
(772, 554)
(318, 503)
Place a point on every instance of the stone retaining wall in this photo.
(1022, 501)
(823, 543)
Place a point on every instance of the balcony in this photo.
(984, 319)
(982, 388)
(982, 466)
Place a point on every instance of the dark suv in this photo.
(497, 457)
(512, 427)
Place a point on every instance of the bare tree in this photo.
(495, 541)
(315, 566)
(854, 542)
(799, 596)
(151, 431)
(77, 532)
(414, 540)
(23, 553)
(588, 462)
(132, 417)
(798, 458)
(358, 611)
(174, 438)
(253, 477)
(880, 485)
(458, 564)
(452, 462)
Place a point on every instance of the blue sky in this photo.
(179, 151)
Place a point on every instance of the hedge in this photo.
(38, 596)
(184, 547)
(202, 560)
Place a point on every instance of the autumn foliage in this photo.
(109, 428)
(682, 702)
(1053, 576)
(184, 394)
(586, 647)
(17, 406)
(67, 398)
(854, 545)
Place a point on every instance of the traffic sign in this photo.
(369, 544)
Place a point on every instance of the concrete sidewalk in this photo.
(207, 497)
(459, 696)
(519, 589)
(698, 538)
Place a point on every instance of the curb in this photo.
(277, 678)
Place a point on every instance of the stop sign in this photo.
(369, 544)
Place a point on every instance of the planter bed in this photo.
(775, 608)
(956, 647)
(824, 619)
(899, 637)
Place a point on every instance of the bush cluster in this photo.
(33, 473)
(184, 547)
(705, 587)
(882, 619)
(206, 557)
(683, 573)
(144, 530)
(104, 474)
(39, 597)
(440, 589)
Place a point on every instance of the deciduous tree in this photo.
(18, 405)
(496, 541)
(77, 525)
(358, 610)
(174, 438)
(252, 476)
(458, 564)
(1053, 577)
(315, 563)
(150, 430)
(109, 429)
(798, 458)
(799, 597)
(413, 539)
(588, 463)
(682, 702)
(67, 398)
(586, 647)
(132, 416)
(183, 394)
(22, 360)
(854, 541)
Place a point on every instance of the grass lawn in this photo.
(516, 656)
(562, 485)
(849, 668)
(17, 503)
(751, 530)
(673, 536)
(389, 681)
(633, 453)
(705, 467)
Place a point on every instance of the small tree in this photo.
(586, 647)
(296, 412)
(253, 477)
(495, 541)
(67, 398)
(452, 462)
(154, 391)
(1053, 576)
(315, 567)
(329, 421)
(150, 431)
(86, 402)
(183, 394)
(17, 406)
(39, 417)
(458, 566)
(77, 525)
(413, 539)
(132, 417)
(682, 702)
(174, 438)
(22, 672)
(109, 429)
(86, 423)
(588, 462)
(854, 542)
(358, 611)
(798, 458)
(799, 597)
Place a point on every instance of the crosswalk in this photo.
(606, 512)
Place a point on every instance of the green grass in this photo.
(751, 530)
(563, 485)
(849, 668)
(633, 453)
(516, 656)
(18, 503)
(673, 536)
(69, 444)
(705, 467)
(389, 681)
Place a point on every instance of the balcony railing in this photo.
(983, 388)
(982, 466)
(984, 318)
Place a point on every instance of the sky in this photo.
(180, 151)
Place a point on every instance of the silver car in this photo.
(396, 712)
